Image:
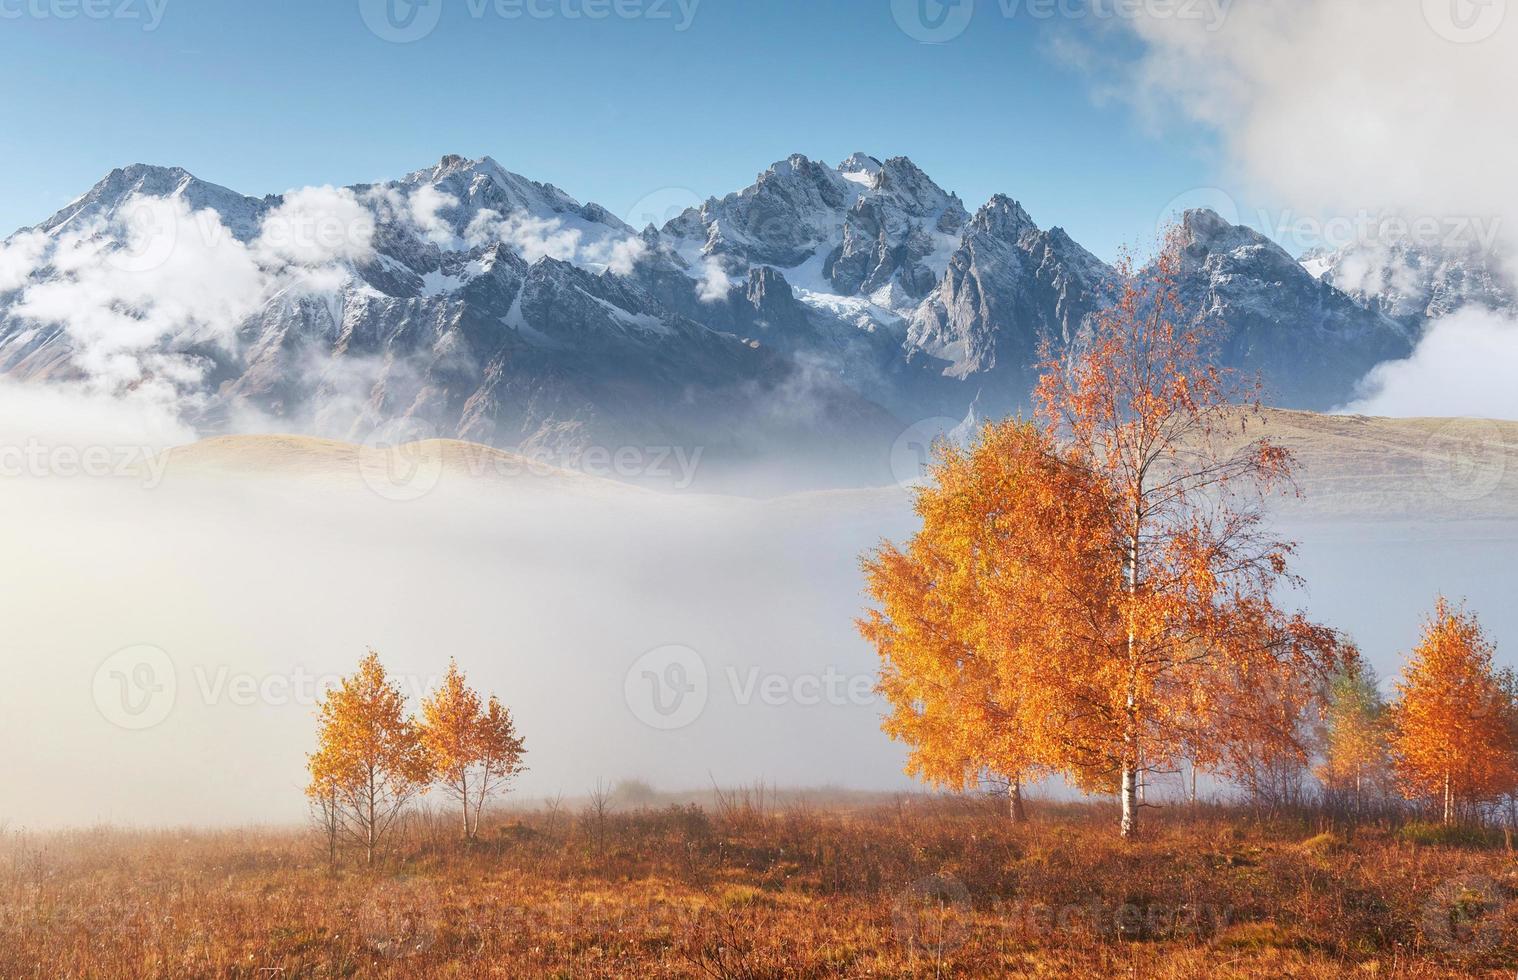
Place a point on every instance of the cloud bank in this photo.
(1333, 107)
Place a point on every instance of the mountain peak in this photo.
(859, 163)
(1204, 231)
(795, 163)
(1003, 217)
(150, 180)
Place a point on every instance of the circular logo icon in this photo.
(660, 206)
(1211, 198)
(912, 452)
(399, 918)
(933, 21)
(1465, 914)
(135, 688)
(402, 459)
(1465, 21)
(148, 235)
(400, 21)
(932, 914)
(666, 688)
(1465, 460)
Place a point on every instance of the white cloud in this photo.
(714, 283)
(425, 203)
(157, 275)
(316, 226)
(1333, 105)
(535, 238)
(531, 237)
(18, 257)
(64, 415)
(1327, 108)
(1462, 367)
(156, 271)
(619, 255)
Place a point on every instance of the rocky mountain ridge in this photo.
(808, 318)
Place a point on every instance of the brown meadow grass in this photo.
(915, 886)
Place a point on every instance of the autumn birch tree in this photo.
(1453, 721)
(1005, 514)
(1354, 738)
(1095, 595)
(369, 762)
(1169, 432)
(473, 747)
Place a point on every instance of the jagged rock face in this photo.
(889, 232)
(791, 211)
(449, 318)
(1008, 287)
(808, 317)
(1413, 282)
(870, 224)
(1308, 341)
(105, 200)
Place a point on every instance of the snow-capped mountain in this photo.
(1008, 285)
(1309, 341)
(1416, 282)
(808, 318)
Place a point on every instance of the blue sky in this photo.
(263, 96)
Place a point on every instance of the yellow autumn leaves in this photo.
(373, 758)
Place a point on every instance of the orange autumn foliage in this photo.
(1454, 723)
(1008, 515)
(473, 746)
(369, 761)
(1095, 597)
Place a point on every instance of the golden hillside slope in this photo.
(405, 471)
(1349, 468)
(1354, 467)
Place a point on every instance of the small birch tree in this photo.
(1453, 721)
(473, 747)
(369, 763)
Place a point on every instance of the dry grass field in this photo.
(910, 887)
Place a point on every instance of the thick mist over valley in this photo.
(263, 567)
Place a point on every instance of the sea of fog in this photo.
(164, 644)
